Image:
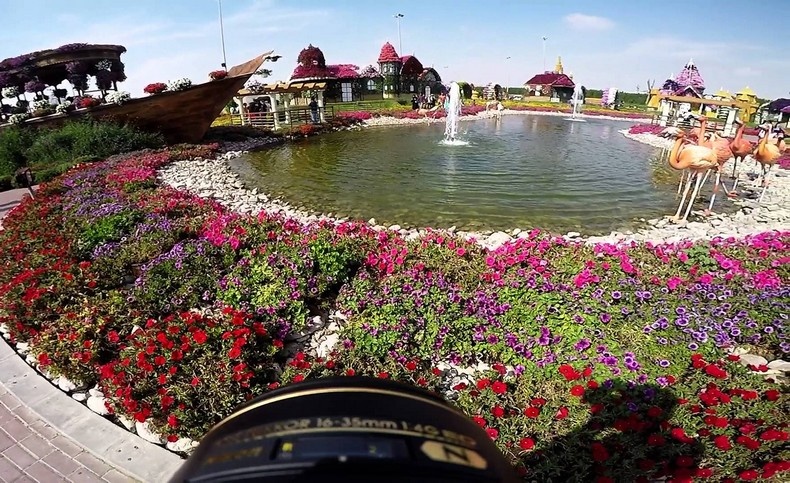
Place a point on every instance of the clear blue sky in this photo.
(612, 43)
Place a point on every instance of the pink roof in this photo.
(343, 71)
(552, 79)
(388, 53)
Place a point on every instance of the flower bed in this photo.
(596, 363)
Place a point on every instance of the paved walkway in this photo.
(32, 450)
(46, 436)
(9, 199)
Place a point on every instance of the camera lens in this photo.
(348, 429)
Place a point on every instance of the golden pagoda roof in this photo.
(746, 91)
(723, 93)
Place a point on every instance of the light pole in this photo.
(544, 52)
(399, 16)
(507, 84)
(222, 36)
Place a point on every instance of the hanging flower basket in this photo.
(179, 84)
(87, 102)
(155, 88)
(217, 74)
(118, 97)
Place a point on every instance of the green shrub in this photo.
(13, 142)
(88, 138)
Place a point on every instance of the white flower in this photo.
(63, 108)
(118, 97)
(10, 92)
(179, 84)
(18, 118)
(40, 104)
(103, 65)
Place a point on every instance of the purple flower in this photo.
(663, 363)
(582, 345)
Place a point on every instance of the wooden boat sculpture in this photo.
(180, 116)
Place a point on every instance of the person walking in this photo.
(313, 110)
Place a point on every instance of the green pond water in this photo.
(518, 172)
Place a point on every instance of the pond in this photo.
(522, 171)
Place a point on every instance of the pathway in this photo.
(9, 199)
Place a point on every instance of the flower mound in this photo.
(596, 363)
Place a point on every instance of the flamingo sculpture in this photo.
(721, 146)
(766, 154)
(698, 160)
(740, 149)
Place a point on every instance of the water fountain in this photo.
(576, 100)
(453, 108)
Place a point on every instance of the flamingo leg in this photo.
(735, 176)
(693, 197)
(685, 194)
(765, 183)
(680, 183)
(715, 190)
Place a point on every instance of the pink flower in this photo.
(673, 282)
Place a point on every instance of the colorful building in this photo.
(554, 84)
(406, 75)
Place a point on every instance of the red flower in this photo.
(350, 372)
(748, 475)
(577, 390)
(587, 372)
(411, 365)
(703, 472)
(500, 368)
(499, 387)
(172, 421)
(383, 375)
(722, 442)
(715, 371)
(480, 421)
(592, 384)
(113, 336)
(492, 433)
(656, 440)
(497, 411)
(195, 381)
(748, 442)
(483, 383)
(569, 372)
(526, 444)
(538, 402)
(299, 378)
(199, 337)
(596, 408)
(172, 438)
(44, 359)
(680, 435)
(733, 357)
(562, 413)
(532, 412)
(771, 394)
(655, 412)
(234, 352)
(599, 452)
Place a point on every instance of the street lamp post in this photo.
(222, 36)
(544, 52)
(399, 16)
(507, 83)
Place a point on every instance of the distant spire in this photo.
(558, 68)
(691, 62)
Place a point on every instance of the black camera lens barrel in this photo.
(346, 429)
